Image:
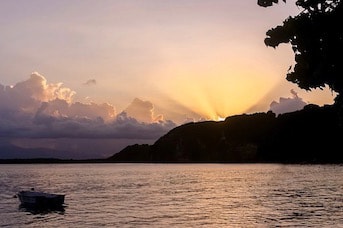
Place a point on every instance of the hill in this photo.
(311, 135)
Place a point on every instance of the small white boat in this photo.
(40, 199)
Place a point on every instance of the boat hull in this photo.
(40, 199)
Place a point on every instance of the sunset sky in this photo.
(89, 77)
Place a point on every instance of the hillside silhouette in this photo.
(311, 135)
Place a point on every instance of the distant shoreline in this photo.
(84, 161)
(50, 161)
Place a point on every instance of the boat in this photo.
(40, 199)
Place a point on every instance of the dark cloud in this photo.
(285, 105)
(90, 82)
(122, 127)
(64, 148)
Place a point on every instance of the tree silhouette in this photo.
(316, 36)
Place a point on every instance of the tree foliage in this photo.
(316, 36)
(266, 3)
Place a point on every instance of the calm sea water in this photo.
(177, 195)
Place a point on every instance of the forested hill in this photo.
(311, 135)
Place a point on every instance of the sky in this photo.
(87, 78)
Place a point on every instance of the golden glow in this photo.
(218, 91)
(221, 118)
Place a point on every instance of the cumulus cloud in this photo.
(27, 96)
(90, 82)
(35, 109)
(142, 111)
(289, 104)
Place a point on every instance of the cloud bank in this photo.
(35, 109)
(290, 104)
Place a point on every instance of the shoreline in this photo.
(106, 161)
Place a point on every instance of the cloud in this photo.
(142, 111)
(90, 82)
(35, 109)
(60, 108)
(123, 127)
(287, 104)
(27, 96)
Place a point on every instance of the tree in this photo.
(316, 36)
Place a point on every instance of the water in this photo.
(177, 195)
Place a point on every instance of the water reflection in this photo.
(35, 210)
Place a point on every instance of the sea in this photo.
(176, 195)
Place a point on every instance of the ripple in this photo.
(175, 195)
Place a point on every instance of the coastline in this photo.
(107, 161)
